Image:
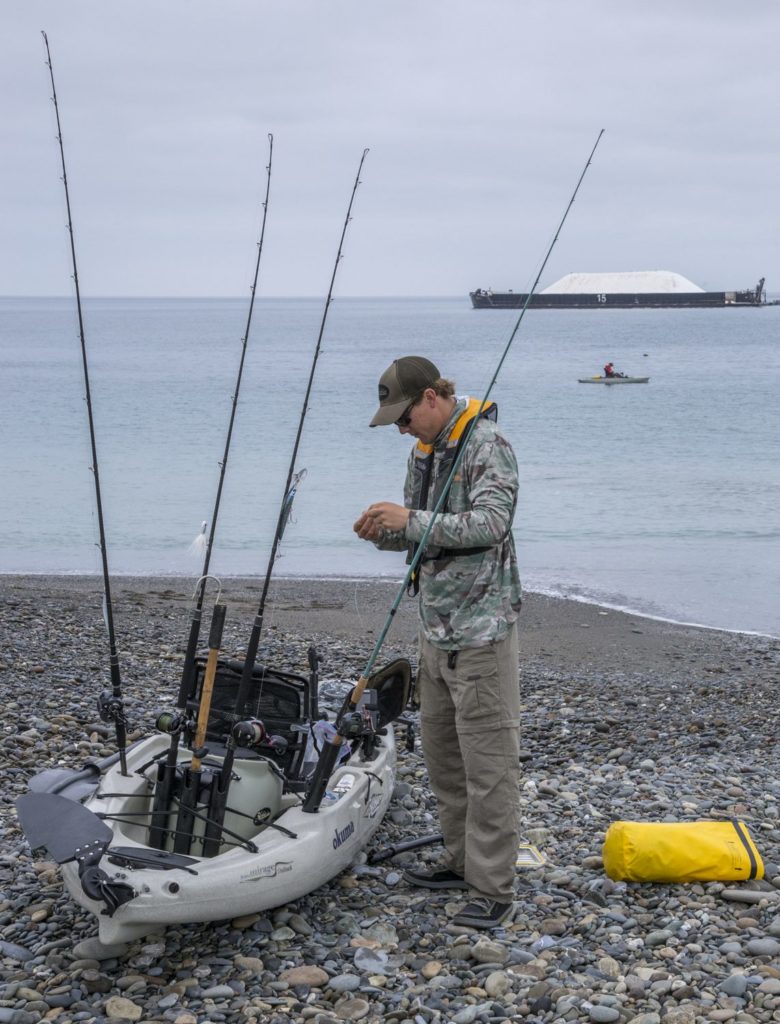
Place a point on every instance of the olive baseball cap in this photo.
(400, 384)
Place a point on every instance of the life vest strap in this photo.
(424, 453)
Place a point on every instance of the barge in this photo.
(652, 289)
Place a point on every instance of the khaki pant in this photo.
(470, 718)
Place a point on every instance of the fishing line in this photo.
(293, 479)
(329, 756)
(357, 607)
(456, 463)
(110, 704)
(163, 793)
(188, 672)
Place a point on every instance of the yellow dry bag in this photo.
(694, 851)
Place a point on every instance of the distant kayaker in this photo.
(470, 598)
(610, 371)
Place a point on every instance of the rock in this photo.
(734, 985)
(94, 981)
(94, 949)
(352, 1009)
(553, 926)
(743, 895)
(15, 952)
(119, 1008)
(497, 984)
(486, 951)
(242, 923)
(466, 1016)
(250, 963)
(431, 969)
(763, 947)
(307, 975)
(370, 961)
(603, 1014)
(344, 983)
(218, 992)
(607, 965)
(680, 1015)
(383, 933)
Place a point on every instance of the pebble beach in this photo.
(623, 718)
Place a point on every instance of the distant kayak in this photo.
(613, 380)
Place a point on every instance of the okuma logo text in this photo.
(342, 835)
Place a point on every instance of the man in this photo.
(467, 680)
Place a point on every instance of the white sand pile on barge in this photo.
(632, 282)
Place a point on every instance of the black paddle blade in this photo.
(60, 825)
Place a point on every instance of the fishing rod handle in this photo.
(210, 674)
(323, 771)
(186, 685)
(357, 693)
(217, 625)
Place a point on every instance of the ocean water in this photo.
(660, 498)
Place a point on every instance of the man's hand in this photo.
(389, 516)
(366, 527)
(383, 515)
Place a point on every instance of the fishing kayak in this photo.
(613, 380)
(97, 823)
(244, 796)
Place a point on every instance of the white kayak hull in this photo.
(613, 380)
(236, 881)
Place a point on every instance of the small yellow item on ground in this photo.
(529, 857)
(693, 851)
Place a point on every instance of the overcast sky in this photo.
(479, 117)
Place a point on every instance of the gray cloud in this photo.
(479, 117)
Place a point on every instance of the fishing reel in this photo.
(252, 733)
(363, 721)
(352, 725)
(110, 707)
(172, 723)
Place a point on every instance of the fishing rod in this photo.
(174, 724)
(110, 704)
(293, 479)
(192, 776)
(331, 748)
(188, 671)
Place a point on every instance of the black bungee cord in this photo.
(110, 704)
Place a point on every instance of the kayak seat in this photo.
(393, 685)
(280, 700)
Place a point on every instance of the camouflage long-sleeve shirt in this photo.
(468, 600)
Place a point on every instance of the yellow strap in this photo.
(468, 414)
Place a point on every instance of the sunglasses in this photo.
(406, 416)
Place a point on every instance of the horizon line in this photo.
(232, 298)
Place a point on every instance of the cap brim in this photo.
(386, 415)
